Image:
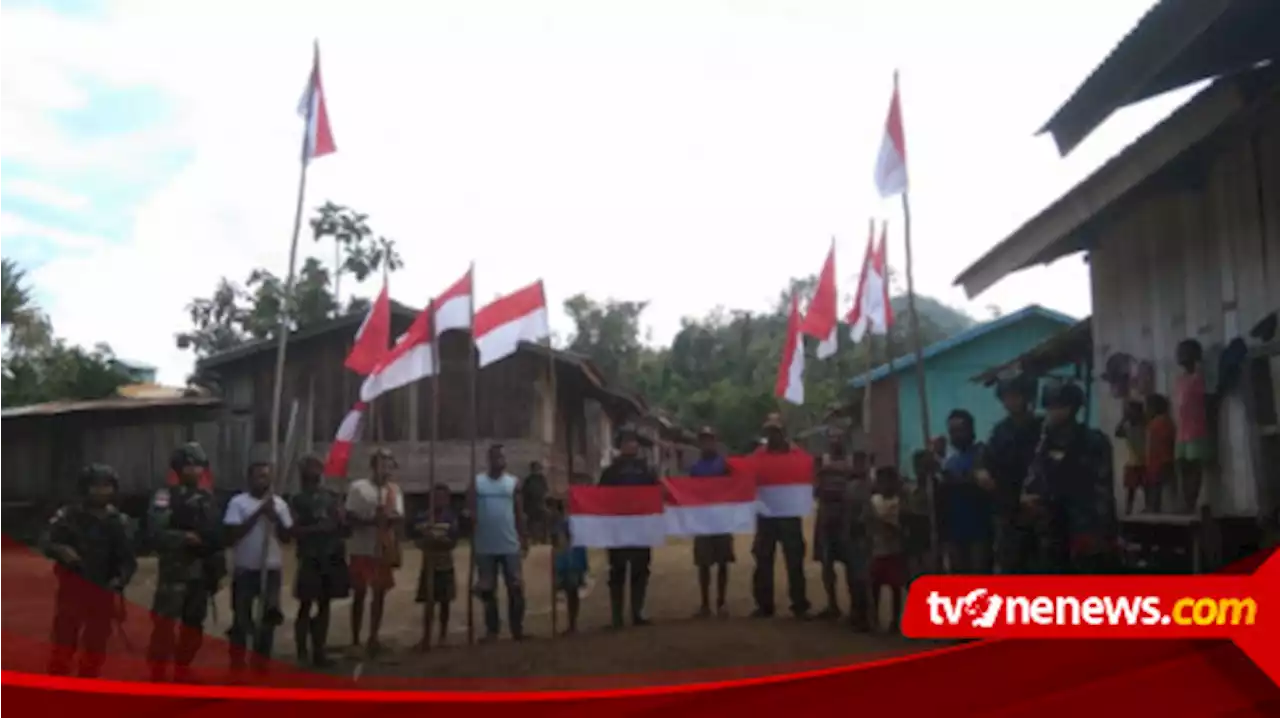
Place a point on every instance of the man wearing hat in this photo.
(1005, 462)
(91, 544)
(1069, 491)
(375, 512)
(322, 574)
(717, 550)
(629, 468)
(774, 530)
(185, 526)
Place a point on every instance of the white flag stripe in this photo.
(828, 347)
(795, 374)
(412, 365)
(454, 313)
(503, 340)
(350, 426)
(785, 500)
(618, 531)
(711, 520)
(891, 169)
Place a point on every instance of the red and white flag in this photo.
(505, 322)
(707, 506)
(413, 356)
(311, 107)
(790, 383)
(891, 163)
(820, 319)
(871, 310)
(409, 360)
(453, 307)
(373, 336)
(617, 516)
(340, 451)
(784, 481)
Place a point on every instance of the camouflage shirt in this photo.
(1007, 457)
(320, 508)
(1072, 474)
(102, 540)
(176, 512)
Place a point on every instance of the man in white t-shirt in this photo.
(257, 521)
(375, 512)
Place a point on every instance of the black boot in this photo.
(616, 596)
(301, 631)
(319, 637)
(638, 589)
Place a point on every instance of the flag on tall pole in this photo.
(891, 163)
(821, 320)
(891, 180)
(790, 383)
(373, 337)
(317, 141)
(312, 109)
(871, 312)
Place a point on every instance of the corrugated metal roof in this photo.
(969, 335)
(54, 408)
(1176, 43)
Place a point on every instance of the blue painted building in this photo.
(950, 368)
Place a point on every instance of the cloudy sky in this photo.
(690, 152)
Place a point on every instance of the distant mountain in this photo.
(947, 321)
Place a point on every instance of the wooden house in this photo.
(949, 367)
(1181, 229)
(541, 405)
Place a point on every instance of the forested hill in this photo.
(720, 368)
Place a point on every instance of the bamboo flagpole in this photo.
(475, 522)
(431, 468)
(317, 141)
(555, 406)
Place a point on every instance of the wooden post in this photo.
(475, 523)
(920, 372)
(555, 406)
(277, 395)
(437, 370)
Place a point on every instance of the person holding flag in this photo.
(629, 468)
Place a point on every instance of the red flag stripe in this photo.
(709, 491)
(615, 500)
(504, 310)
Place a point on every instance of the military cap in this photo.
(1019, 384)
(1067, 395)
(625, 431)
(189, 454)
(773, 421)
(97, 473)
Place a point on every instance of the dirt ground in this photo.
(677, 648)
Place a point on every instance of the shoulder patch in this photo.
(58, 515)
(161, 500)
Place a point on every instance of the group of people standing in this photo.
(1036, 497)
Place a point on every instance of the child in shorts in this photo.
(888, 562)
(437, 581)
(570, 561)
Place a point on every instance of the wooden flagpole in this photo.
(277, 394)
(555, 406)
(871, 360)
(475, 523)
(917, 348)
(431, 464)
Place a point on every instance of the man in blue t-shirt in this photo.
(965, 501)
(715, 550)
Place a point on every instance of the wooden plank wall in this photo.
(1199, 262)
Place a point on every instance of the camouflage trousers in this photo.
(177, 629)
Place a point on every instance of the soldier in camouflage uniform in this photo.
(1005, 462)
(322, 569)
(185, 526)
(1069, 491)
(91, 544)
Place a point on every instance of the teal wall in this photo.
(949, 385)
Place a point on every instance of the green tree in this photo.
(355, 249)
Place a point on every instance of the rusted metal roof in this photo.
(55, 408)
(1176, 43)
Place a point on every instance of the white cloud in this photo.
(62, 240)
(51, 196)
(693, 154)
